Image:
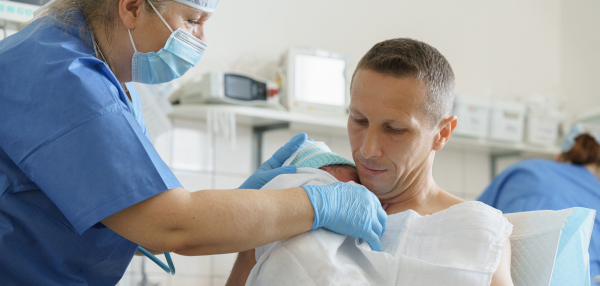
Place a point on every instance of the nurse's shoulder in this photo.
(535, 167)
(50, 55)
(517, 180)
(51, 83)
(46, 40)
(546, 169)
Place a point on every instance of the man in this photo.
(402, 93)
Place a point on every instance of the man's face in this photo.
(390, 136)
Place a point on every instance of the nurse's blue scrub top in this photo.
(547, 185)
(71, 154)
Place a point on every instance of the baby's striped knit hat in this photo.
(316, 155)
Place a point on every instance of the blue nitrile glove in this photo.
(272, 167)
(349, 210)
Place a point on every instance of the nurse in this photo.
(570, 181)
(81, 185)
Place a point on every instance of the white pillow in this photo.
(551, 247)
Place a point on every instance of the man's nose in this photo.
(370, 147)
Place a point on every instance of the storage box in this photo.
(473, 115)
(542, 127)
(507, 120)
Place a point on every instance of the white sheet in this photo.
(461, 245)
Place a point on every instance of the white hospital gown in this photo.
(461, 245)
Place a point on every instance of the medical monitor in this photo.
(316, 81)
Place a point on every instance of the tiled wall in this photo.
(203, 161)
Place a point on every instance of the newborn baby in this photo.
(317, 165)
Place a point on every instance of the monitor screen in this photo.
(238, 87)
(320, 80)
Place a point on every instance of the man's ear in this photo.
(445, 129)
(129, 12)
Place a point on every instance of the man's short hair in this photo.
(404, 57)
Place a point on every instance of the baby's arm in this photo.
(241, 269)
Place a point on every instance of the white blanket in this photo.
(303, 176)
(461, 245)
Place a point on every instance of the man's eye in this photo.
(192, 22)
(394, 130)
(360, 121)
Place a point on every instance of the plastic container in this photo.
(543, 127)
(473, 115)
(507, 120)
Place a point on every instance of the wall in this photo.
(507, 45)
(580, 55)
(512, 45)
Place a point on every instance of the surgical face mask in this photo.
(181, 53)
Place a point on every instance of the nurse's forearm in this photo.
(214, 221)
(246, 219)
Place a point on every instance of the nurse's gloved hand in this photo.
(272, 167)
(350, 210)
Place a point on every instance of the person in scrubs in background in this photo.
(81, 185)
(570, 181)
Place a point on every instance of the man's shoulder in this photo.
(466, 213)
(474, 208)
(466, 218)
(449, 200)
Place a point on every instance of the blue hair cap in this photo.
(204, 5)
(578, 129)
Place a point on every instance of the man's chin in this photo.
(377, 188)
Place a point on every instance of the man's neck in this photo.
(421, 194)
(437, 201)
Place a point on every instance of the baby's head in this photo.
(344, 173)
(318, 155)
